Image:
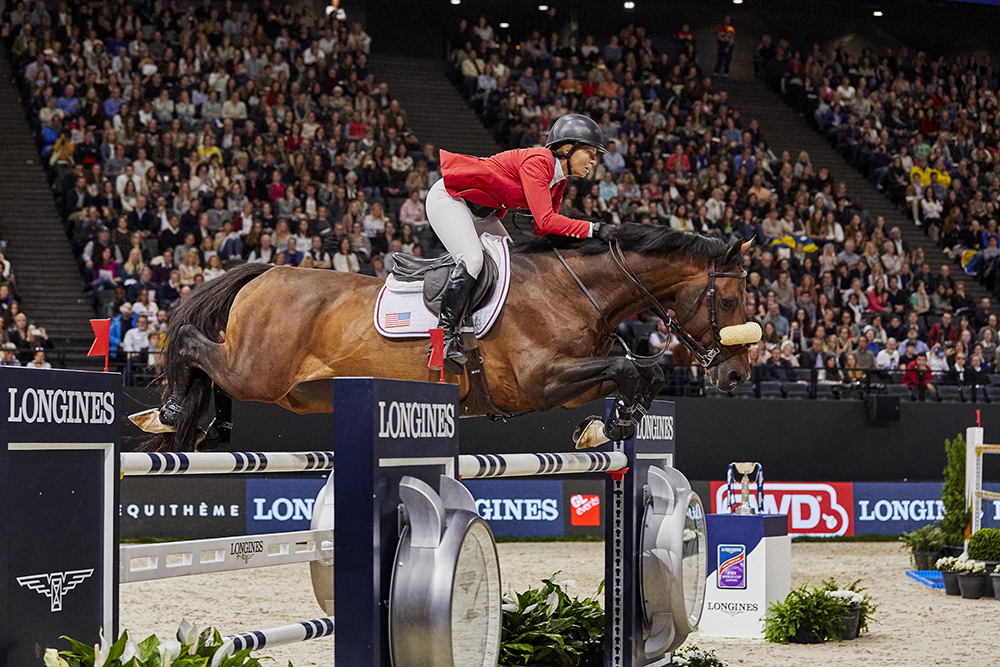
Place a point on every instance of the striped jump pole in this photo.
(478, 466)
(221, 463)
(482, 466)
(281, 635)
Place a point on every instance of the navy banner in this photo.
(59, 441)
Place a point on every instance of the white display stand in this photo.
(749, 566)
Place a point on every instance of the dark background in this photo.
(938, 26)
(830, 441)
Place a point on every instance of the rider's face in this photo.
(583, 160)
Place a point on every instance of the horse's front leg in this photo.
(568, 379)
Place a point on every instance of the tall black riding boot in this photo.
(454, 303)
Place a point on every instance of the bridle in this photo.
(708, 357)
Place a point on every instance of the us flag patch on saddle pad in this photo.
(397, 320)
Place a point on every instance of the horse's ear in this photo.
(746, 246)
(732, 252)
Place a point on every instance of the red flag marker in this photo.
(437, 351)
(102, 340)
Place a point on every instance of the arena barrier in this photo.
(421, 553)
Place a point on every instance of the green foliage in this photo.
(809, 608)
(192, 649)
(925, 538)
(544, 626)
(956, 511)
(985, 544)
(692, 656)
(867, 602)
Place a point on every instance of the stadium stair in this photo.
(48, 280)
(786, 130)
(436, 111)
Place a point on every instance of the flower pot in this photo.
(995, 579)
(951, 582)
(851, 618)
(954, 552)
(806, 636)
(925, 560)
(973, 585)
(991, 565)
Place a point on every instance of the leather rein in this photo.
(706, 356)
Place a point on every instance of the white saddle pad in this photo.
(400, 311)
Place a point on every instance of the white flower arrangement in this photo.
(946, 564)
(850, 598)
(965, 566)
(693, 656)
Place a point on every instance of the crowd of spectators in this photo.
(22, 341)
(834, 288)
(182, 141)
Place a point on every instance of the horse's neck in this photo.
(617, 296)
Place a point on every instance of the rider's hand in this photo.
(603, 231)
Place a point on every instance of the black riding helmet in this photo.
(576, 129)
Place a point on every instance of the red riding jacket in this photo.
(513, 179)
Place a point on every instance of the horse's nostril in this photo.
(735, 377)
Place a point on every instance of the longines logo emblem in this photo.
(55, 585)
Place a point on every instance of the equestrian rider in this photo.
(474, 193)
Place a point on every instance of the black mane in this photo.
(642, 239)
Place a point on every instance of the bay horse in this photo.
(280, 334)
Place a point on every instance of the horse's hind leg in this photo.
(220, 430)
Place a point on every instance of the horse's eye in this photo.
(728, 304)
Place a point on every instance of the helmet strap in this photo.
(568, 156)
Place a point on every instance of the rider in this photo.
(474, 193)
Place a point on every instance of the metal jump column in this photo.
(383, 430)
(627, 497)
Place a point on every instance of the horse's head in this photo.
(711, 313)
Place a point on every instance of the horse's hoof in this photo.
(149, 421)
(590, 433)
(213, 438)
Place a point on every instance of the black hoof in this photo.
(216, 436)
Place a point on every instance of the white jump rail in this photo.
(477, 466)
(281, 635)
(223, 463)
(163, 560)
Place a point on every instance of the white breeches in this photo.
(458, 228)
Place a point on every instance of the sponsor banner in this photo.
(823, 509)
(280, 504)
(584, 503)
(520, 508)
(182, 507)
(892, 508)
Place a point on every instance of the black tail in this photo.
(207, 310)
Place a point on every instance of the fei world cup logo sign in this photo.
(55, 584)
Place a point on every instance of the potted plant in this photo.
(811, 615)
(956, 508)
(972, 579)
(984, 545)
(860, 607)
(545, 626)
(949, 574)
(925, 544)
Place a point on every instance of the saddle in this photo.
(434, 274)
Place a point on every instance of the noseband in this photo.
(708, 357)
